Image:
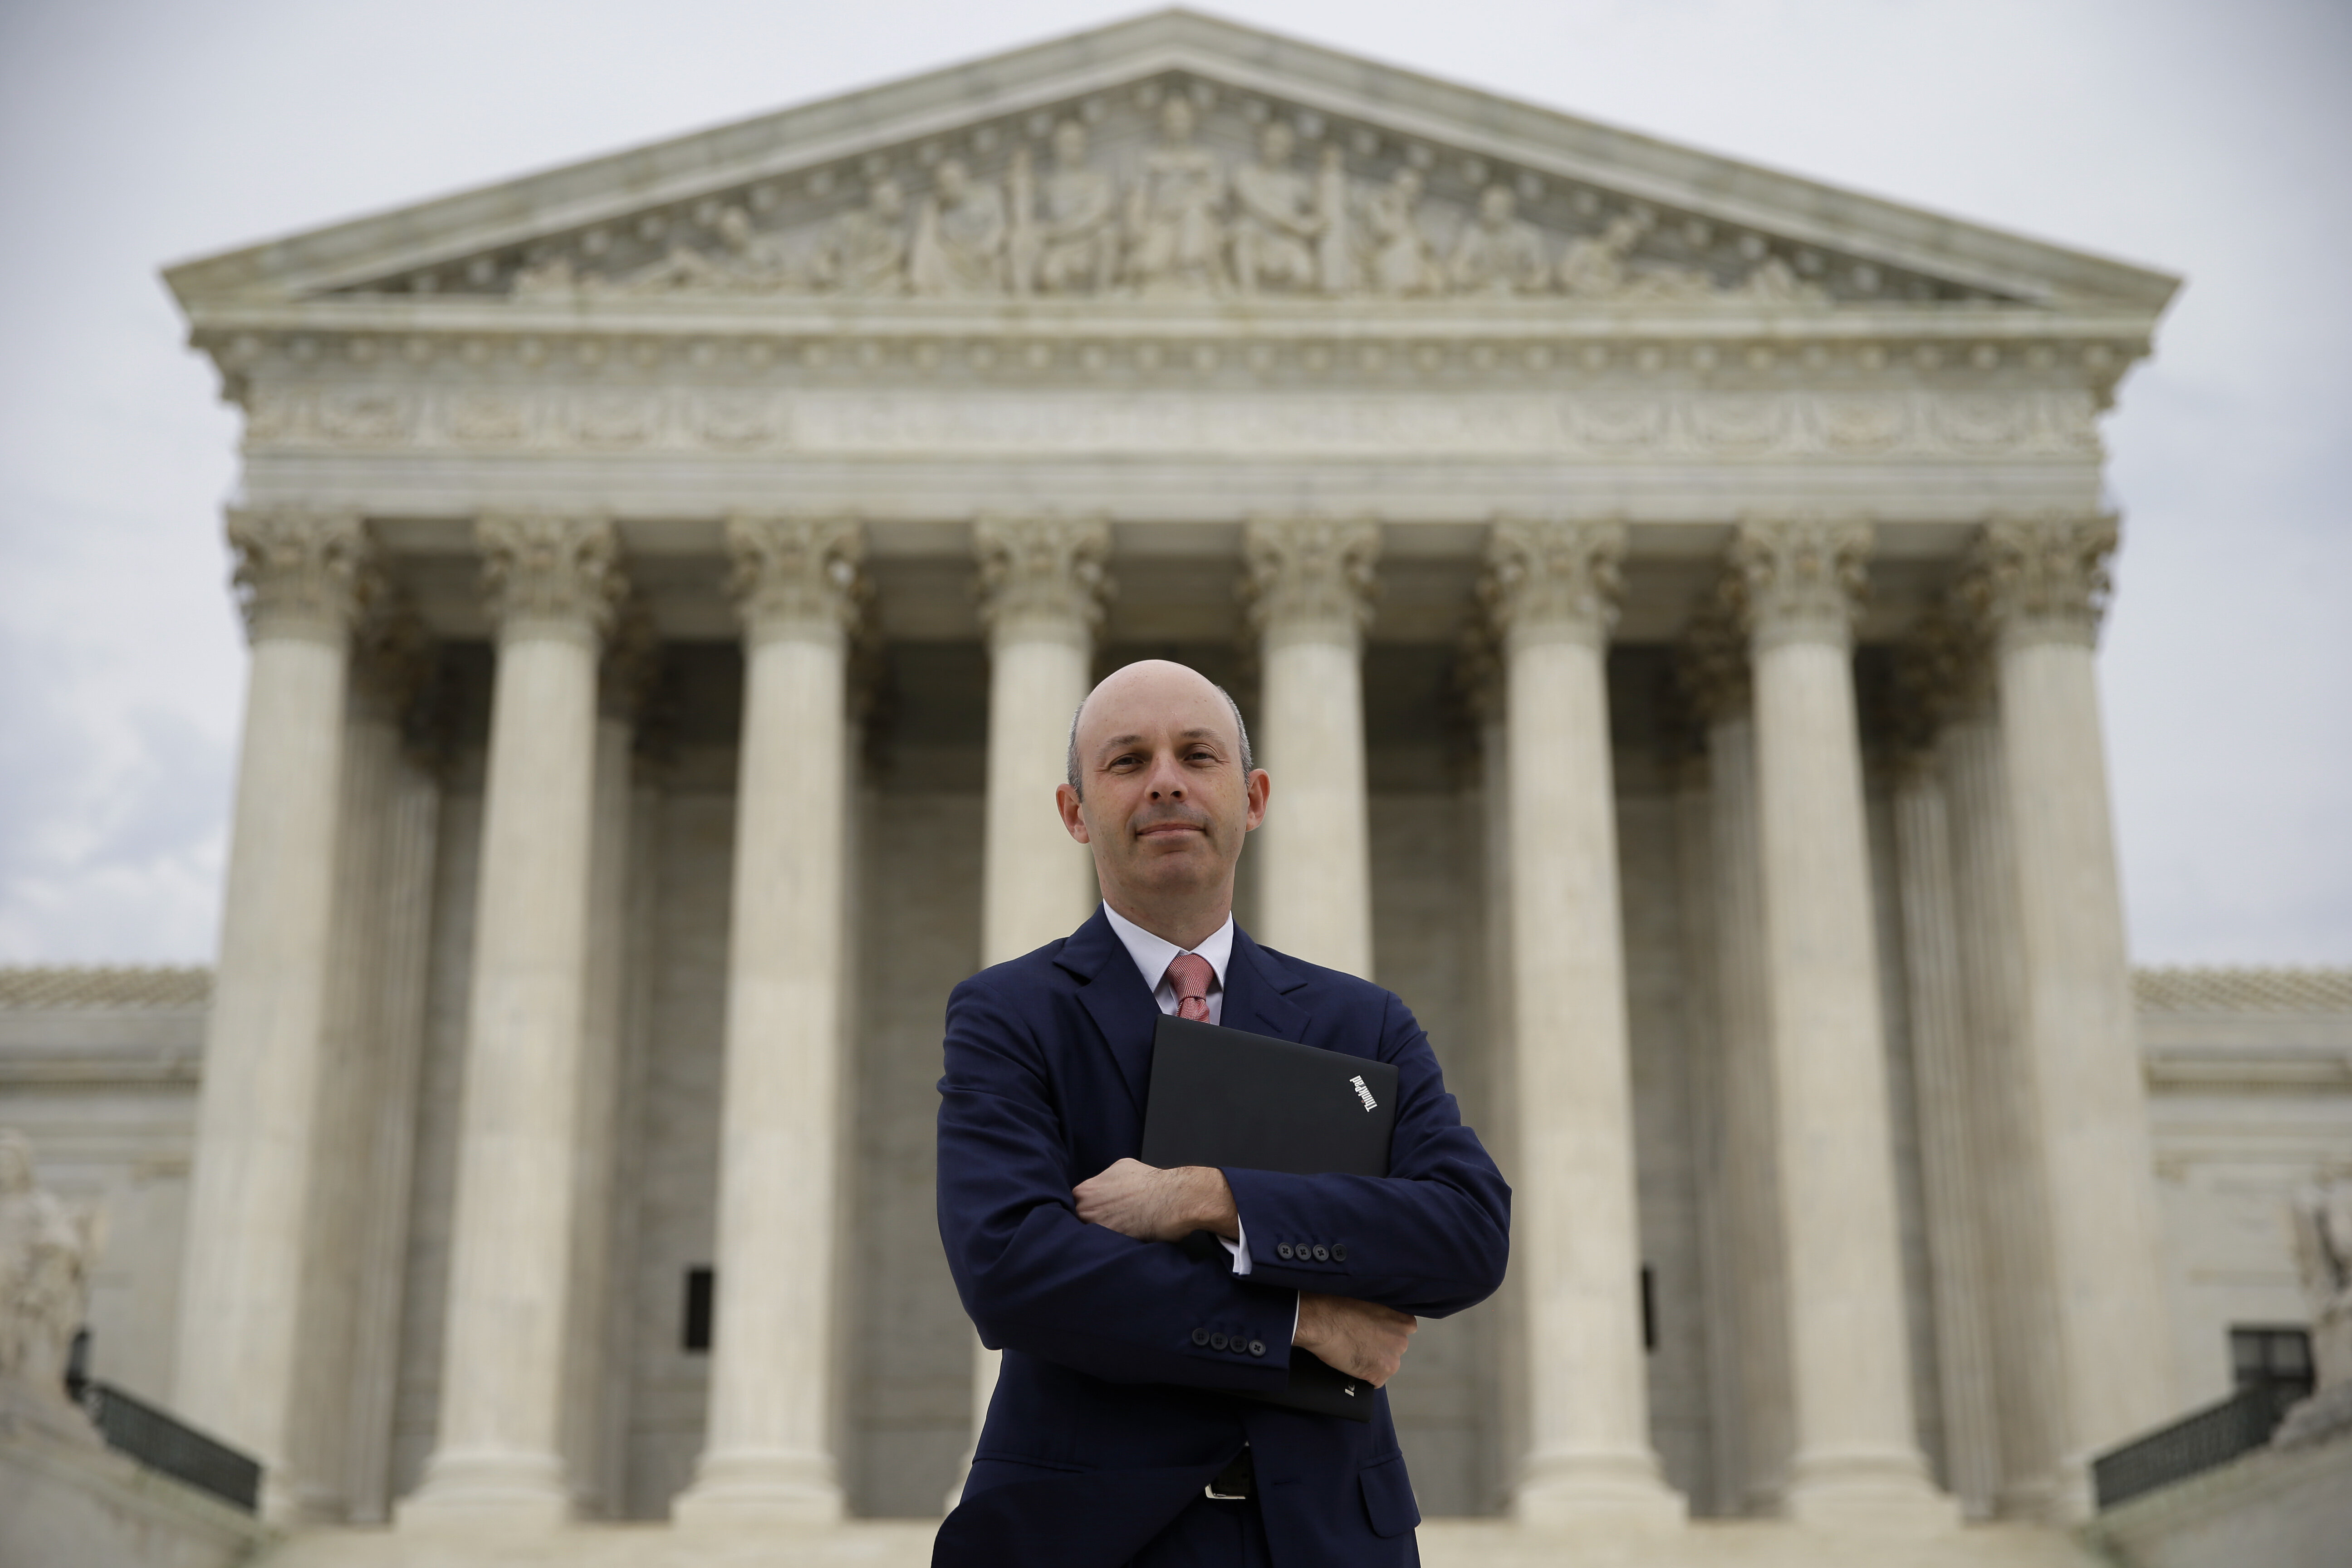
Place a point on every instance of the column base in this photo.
(1868, 1489)
(757, 1488)
(1615, 1492)
(522, 1492)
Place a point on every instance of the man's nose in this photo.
(1167, 782)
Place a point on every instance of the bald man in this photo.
(1114, 1436)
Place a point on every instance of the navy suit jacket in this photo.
(1110, 1414)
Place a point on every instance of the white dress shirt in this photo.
(1153, 955)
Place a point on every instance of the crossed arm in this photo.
(1084, 1277)
(1362, 1339)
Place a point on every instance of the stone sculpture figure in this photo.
(959, 246)
(1277, 218)
(2322, 1218)
(1335, 247)
(45, 1252)
(1401, 261)
(1064, 235)
(1594, 267)
(865, 251)
(2323, 1245)
(1175, 235)
(1498, 252)
(746, 260)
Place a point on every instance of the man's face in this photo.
(1165, 804)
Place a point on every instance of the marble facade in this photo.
(1666, 591)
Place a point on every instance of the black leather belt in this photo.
(1237, 1482)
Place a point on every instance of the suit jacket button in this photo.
(1217, 1341)
(1322, 1254)
(1257, 1347)
(1199, 1336)
(1338, 1254)
(1283, 1250)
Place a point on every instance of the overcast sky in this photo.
(2203, 138)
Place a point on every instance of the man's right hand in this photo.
(1362, 1339)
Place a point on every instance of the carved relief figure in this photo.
(1594, 265)
(1066, 234)
(1175, 238)
(1498, 254)
(1773, 281)
(959, 245)
(865, 251)
(1335, 247)
(746, 259)
(1401, 260)
(1276, 218)
(46, 1253)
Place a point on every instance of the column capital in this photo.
(1711, 662)
(1041, 567)
(796, 574)
(299, 573)
(1311, 569)
(548, 574)
(1550, 579)
(1942, 674)
(395, 660)
(2038, 577)
(631, 667)
(1799, 577)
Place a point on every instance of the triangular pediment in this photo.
(1173, 157)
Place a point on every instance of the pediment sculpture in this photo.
(1180, 220)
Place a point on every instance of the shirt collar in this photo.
(1151, 952)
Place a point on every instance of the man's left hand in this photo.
(1152, 1204)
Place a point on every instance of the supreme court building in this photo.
(1664, 592)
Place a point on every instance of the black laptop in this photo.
(1228, 1098)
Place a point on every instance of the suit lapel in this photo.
(1258, 988)
(1113, 993)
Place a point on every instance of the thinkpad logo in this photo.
(1364, 1094)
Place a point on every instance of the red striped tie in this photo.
(1189, 974)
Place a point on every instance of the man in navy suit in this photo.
(1114, 1436)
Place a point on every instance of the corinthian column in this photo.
(2014, 1207)
(768, 1459)
(244, 1290)
(2043, 579)
(1043, 581)
(1856, 1456)
(1716, 675)
(1944, 1072)
(1042, 584)
(1310, 582)
(1553, 588)
(552, 582)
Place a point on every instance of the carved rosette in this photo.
(2042, 576)
(300, 574)
(1801, 579)
(550, 576)
(1553, 579)
(1711, 668)
(1042, 569)
(796, 576)
(1310, 575)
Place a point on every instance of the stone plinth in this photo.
(68, 1500)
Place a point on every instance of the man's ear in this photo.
(1261, 787)
(1074, 821)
